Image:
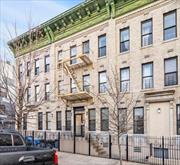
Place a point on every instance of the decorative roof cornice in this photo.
(76, 19)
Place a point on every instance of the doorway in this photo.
(79, 121)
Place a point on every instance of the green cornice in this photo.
(76, 19)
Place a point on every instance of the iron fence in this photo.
(136, 148)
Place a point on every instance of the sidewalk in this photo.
(75, 159)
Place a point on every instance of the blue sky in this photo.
(19, 13)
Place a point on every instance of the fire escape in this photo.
(70, 70)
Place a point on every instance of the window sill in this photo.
(146, 47)
(170, 40)
(103, 57)
(122, 53)
(171, 86)
(147, 90)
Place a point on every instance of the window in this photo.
(123, 117)
(5, 140)
(47, 63)
(17, 140)
(147, 75)
(20, 71)
(36, 93)
(58, 120)
(73, 86)
(37, 67)
(48, 120)
(102, 82)
(102, 45)
(47, 91)
(104, 119)
(60, 86)
(170, 30)
(28, 94)
(68, 120)
(73, 53)
(161, 152)
(28, 69)
(124, 79)
(171, 73)
(124, 40)
(146, 33)
(86, 47)
(92, 120)
(60, 53)
(24, 121)
(138, 118)
(178, 119)
(40, 120)
(86, 83)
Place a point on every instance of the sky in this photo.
(20, 13)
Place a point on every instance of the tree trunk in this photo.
(119, 149)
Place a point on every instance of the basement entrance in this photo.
(79, 121)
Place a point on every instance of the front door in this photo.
(79, 121)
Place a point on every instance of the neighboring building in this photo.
(7, 114)
(140, 38)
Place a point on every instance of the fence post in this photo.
(45, 138)
(89, 144)
(127, 149)
(162, 150)
(25, 133)
(59, 136)
(74, 143)
(109, 146)
(33, 138)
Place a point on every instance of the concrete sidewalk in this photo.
(75, 159)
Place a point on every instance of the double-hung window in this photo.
(170, 27)
(20, 71)
(86, 47)
(60, 86)
(104, 119)
(73, 54)
(68, 120)
(102, 45)
(28, 94)
(86, 82)
(60, 53)
(171, 71)
(138, 120)
(73, 86)
(25, 121)
(125, 79)
(102, 82)
(92, 120)
(178, 119)
(36, 93)
(147, 75)
(124, 40)
(36, 72)
(48, 120)
(40, 120)
(146, 33)
(58, 120)
(28, 72)
(47, 91)
(47, 63)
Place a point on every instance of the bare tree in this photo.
(23, 71)
(120, 104)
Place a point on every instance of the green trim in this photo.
(76, 19)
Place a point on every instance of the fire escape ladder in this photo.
(72, 75)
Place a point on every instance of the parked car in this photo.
(41, 142)
(14, 151)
